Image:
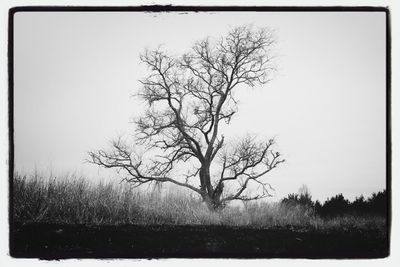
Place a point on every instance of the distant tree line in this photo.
(337, 205)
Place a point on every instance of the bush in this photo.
(378, 203)
(359, 206)
(336, 205)
(302, 198)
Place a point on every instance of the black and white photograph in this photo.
(199, 132)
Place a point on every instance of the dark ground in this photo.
(51, 241)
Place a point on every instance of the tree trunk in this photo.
(211, 196)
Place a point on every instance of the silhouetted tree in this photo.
(188, 99)
(302, 198)
(336, 205)
(378, 203)
(359, 206)
(317, 207)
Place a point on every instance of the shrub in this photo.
(378, 203)
(336, 205)
(302, 198)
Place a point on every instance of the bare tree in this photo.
(188, 99)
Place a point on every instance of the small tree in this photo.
(336, 205)
(302, 198)
(359, 205)
(188, 99)
(378, 203)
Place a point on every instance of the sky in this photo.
(75, 74)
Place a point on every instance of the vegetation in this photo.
(376, 205)
(74, 200)
(188, 99)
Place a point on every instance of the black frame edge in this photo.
(177, 8)
(10, 65)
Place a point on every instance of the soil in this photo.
(54, 241)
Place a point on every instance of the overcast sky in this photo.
(74, 74)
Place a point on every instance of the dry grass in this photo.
(74, 200)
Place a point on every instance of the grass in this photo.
(75, 200)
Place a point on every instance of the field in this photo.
(70, 217)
